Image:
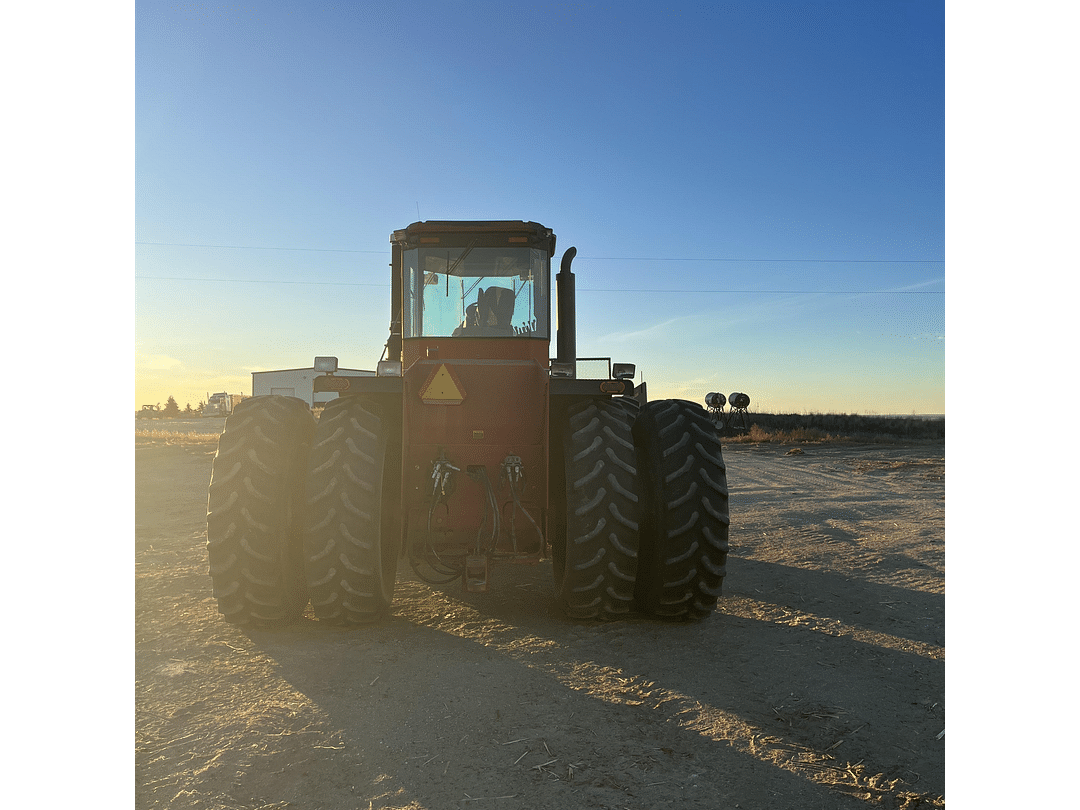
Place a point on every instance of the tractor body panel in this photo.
(475, 454)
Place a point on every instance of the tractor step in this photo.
(477, 568)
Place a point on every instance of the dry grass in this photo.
(838, 429)
(758, 434)
(157, 436)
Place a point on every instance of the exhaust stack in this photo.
(566, 346)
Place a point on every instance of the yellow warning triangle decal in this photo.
(442, 388)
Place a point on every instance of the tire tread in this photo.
(602, 511)
(684, 536)
(254, 511)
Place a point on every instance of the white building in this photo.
(298, 382)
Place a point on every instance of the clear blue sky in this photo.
(278, 145)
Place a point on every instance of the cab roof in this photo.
(479, 233)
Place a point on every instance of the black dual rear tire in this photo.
(594, 549)
(255, 511)
(352, 536)
(684, 528)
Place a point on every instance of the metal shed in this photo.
(297, 382)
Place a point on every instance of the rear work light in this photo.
(327, 365)
(389, 368)
(563, 369)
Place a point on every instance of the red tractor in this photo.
(470, 448)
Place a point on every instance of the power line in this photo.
(777, 292)
(255, 247)
(263, 281)
(776, 261)
(588, 258)
(579, 289)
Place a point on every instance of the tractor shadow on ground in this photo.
(688, 704)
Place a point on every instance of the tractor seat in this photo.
(495, 308)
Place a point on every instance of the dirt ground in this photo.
(818, 683)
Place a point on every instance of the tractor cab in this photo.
(468, 287)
